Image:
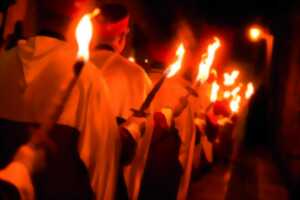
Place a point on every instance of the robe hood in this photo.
(34, 54)
(35, 75)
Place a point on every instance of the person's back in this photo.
(181, 141)
(128, 82)
(34, 75)
(128, 86)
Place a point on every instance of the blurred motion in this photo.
(176, 100)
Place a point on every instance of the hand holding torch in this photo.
(170, 72)
(40, 138)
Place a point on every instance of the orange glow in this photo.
(214, 92)
(255, 33)
(229, 79)
(235, 104)
(131, 59)
(84, 33)
(175, 67)
(249, 91)
(235, 91)
(206, 63)
(227, 94)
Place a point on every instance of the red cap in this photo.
(222, 108)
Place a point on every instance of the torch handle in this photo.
(142, 111)
(40, 135)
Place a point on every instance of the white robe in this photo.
(168, 96)
(34, 74)
(129, 85)
(199, 107)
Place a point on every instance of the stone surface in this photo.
(253, 177)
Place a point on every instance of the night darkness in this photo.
(157, 23)
(265, 130)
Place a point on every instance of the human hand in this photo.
(136, 126)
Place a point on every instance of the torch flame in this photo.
(227, 94)
(249, 91)
(84, 33)
(206, 63)
(175, 67)
(235, 104)
(229, 79)
(236, 91)
(214, 92)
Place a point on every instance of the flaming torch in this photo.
(227, 94)
(204, 72)
(229, 79)
(249, 91)
(170, 72)
(205, 67)
(84, 33)
(235, 104)
(206, 63)
(214, 92)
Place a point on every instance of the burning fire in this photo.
(214, 92)
(235, 104)
(249, 91)
(236, 91)
(227, 94)
(84, 33)
(205, 65)
(175, 67)
(229, 79)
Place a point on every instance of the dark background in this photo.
(157, 27)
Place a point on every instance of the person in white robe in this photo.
(128, 84)
(167, 101)
(33, 76)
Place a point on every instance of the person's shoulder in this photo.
(7, 54)
(132, 67)
(91, 74)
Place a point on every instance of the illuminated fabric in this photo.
(33, 75)
(169, 95)
(129, 85)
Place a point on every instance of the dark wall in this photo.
(286, 104)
